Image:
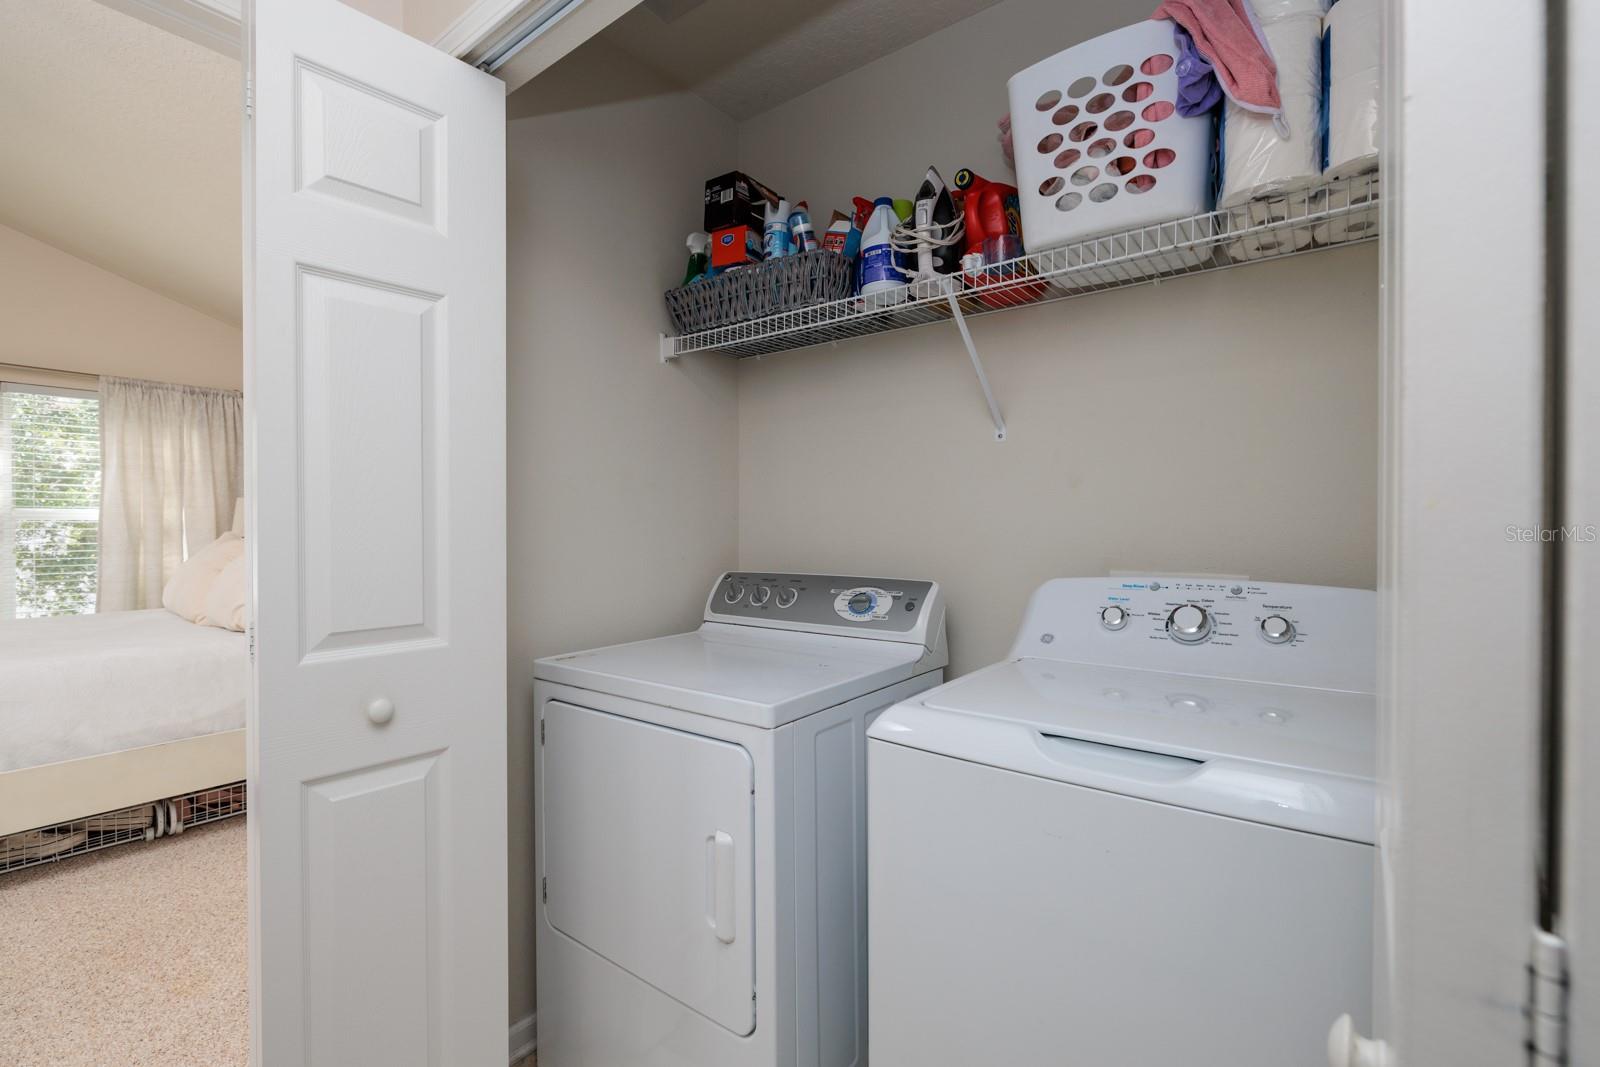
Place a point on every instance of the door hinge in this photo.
(541, 731)
(249, 97)
(1547, 1000)
(252, 643)
(544, 890)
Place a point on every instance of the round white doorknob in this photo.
(1346, 1048)
(380, 710)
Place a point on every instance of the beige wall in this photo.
(427, 20)
(1220, 423)
(622, 470)
(1223, 423)
(65, 314)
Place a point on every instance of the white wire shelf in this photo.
(1328, 216)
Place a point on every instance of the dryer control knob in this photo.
(760, 595)
(734, 593)
(1277, 630)
(1113, 617)
(787, 597)
(1189, 624)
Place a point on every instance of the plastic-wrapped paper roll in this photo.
(1286, 214)
(1353, 99)
(1273, 10)
(1269, 243)
(1275, 210)
(1256, 160)
(1359, 217)
(1345, 228)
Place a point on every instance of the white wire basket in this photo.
(141, 822)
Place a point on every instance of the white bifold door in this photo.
(375, 370)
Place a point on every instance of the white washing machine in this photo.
(1145, 839)
(701, 825)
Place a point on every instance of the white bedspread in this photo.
(84, 685)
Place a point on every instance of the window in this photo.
(49, 501)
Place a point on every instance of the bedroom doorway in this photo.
(124, 665)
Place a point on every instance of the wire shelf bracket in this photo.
(977, 367)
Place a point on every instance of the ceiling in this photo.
(744, 58)
(120, 144)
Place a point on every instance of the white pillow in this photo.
(185, 594)
(224, 604)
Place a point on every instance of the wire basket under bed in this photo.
(786, 284)
(141, 822)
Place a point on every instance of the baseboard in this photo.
(524, 1038)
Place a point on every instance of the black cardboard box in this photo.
(736, 199)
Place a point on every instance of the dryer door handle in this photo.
(720, 867)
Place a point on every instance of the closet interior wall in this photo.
(622, 473)
(1225, 422)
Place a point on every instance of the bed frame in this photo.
(183, 782)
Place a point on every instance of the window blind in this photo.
(49, 501)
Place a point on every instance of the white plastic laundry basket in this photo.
(1100, 146)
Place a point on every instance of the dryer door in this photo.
(648, 855)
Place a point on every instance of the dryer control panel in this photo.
(882, 608)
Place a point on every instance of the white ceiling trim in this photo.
(525, 37)
(479, 26)
(216, 24)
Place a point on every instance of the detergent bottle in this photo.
(881, 277)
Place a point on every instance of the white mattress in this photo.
(84, 685)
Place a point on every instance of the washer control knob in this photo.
(760, 595)
(1277, 630)
(787, 596)
(1189, 624)
(734, 592)
(1113, 617)
(862, 603)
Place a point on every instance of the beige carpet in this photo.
(131, 956)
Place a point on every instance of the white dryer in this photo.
(1145, 839)
(701, 825)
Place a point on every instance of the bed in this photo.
(102, 714)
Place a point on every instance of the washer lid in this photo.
(1283, 755)
(741, 673)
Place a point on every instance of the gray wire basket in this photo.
(761, 289)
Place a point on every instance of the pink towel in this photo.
(1226, 32)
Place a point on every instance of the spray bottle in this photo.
(699, 257)
(775, 235)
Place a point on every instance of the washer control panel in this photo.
(828, 603)
(1272, 631)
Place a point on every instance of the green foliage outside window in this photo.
(53, 442)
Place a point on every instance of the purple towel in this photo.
(1198, 88)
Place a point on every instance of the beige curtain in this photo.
(172, 466)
